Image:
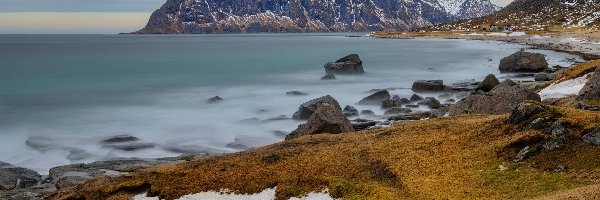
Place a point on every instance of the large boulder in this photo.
(502, 99)
(350, 111)
(428, 86)
(391, 103)
(309, 107)
(591, 90)
(327, 118)
(351, 64)
(488, 83)
(375, 99)
(12, 177)
(524, 62)
(524, 112)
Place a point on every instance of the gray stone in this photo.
(523, 154)
(432, 103)
(502, 99)
(120, 138)
(308, 108)
(215, 99)
(350, 111)
(524, 62)
(367, 112)
(543, 76)
(12, 177)
(405, 101)
(295, 93)
(375, 99)
(488, 83)
(428, 86)
(416, 97)
(350, 64)
(390, 103)
(326, 119)
(395, 111)
(412, 116)
(524, 112)
(591, 90)
(593, 137)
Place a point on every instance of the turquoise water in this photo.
(65, 93)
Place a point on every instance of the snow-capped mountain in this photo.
(234, 16)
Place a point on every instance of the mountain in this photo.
(537, 15)
(238, 16)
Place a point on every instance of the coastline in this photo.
(554, 44)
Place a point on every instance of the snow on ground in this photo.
(497, 34)
(538, 37)
(564, 89)
(266, 194)
(517, 34)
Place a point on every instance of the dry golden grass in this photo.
(446, 158)
(584, 193)
(576, 71)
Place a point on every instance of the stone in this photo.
(309, 107)
(359, 126)
(295, 93)
(412, 116)
(395, 111)
(367, 112)
(375, 99)
(591, 90)
(524, 62)
(412, 106)
(244, 142)
(13, 177)
(537, 124)
(488, 83)
(120, 138)
(432, 103)
(130, 146)
(326, 119)
(350, 64)
(523, 154)
(328, 76)
(215, 99)
(502, 99)
(390, 103)
(405, 101)
(543, 76)
(593, 137)
(524, 112)
(350, 111)
(428, 86)
(416, 97)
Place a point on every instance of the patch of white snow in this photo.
(564, 89)
(267, 194)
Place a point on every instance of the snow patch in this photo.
(564, 89)
(225, 194)
(516, 34)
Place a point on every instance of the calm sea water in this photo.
(60, 95)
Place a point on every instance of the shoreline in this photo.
(125, 166)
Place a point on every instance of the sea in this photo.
(62, 96)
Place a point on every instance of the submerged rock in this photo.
(524, 62)
(488, 83)
(416, 97)
(328, 76)
(120, 138)
(215, 99)
(326, 119)
(350, 64)
(130, 146)
(502, 99)
(309, 107)
(428, 86)
(295, 93)
(375, 99)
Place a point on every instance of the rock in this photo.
(405, 101)
(502, 99)
(395, 111)
(215, 99)
(537, 124)
(375, 99)
(591, 90)
(244, 142)
(593, 137)
(12, 177)
(488, 83)
(390, 103)
(350, 111)
(560, 168)
(130, 146)
(328, 76)
(524, 112)
(450, 101)
(280, 134)
(308, 108)
(350, 64)
(412, 106)
(432, 103)
(543, 76)
(359, 126)
(523, 154)
(295, 93)
(326, 119)
(78, 154)
(416, 97)
(524, 62)
(367, 112)
(428, 86)
(277, 118)
(412, 116)
(120, 138)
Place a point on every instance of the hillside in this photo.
(238, 16)
(535, 15)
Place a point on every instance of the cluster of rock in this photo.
(499, 100)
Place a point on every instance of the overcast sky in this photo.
(82, 16)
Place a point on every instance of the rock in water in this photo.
(328, 76)
(502, 99)
(327, 118)
(395, 111)
(416, 97)
(428, 86)
(295, 93)
(350, 111)
(488, 83)
(524, 62)
(351, 64)
(309, 107)
(432, 103)
(215, 99)
(543, 76)
(375, 99)
(390, 103)
(367, 112)
(12, 177)
(591, 90)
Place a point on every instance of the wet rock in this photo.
(405, 101)
(416, 97)
(412, 106)
(350, 64)
(395, 111)
(412, 116)
(502, 99)
(326, 119)
(543, 76)
(350, 111)
(12, 177)
(428, 86)
(524, 62)
(390, 103)
(367, 112)
(359, 126)
(295, 93)
(524, 112)
(328, 77)
(488, 83)
(308, 108)
(215, 99)
(280, 134)
(375, 99)
(432, 103)
(120, 138)
(593, 137)
(591, 90)
(130, 146)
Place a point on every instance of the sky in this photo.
(82, 16)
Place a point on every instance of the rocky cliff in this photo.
(251, 16)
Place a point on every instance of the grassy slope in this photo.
(446, 158)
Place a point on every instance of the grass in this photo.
(446, 158)
(576, 71)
